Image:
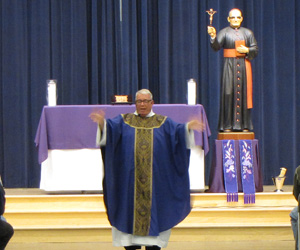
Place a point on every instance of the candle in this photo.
(51, 93)
(191, 92)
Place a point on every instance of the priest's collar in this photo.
(149, 115)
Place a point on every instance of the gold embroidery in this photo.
(148, 122)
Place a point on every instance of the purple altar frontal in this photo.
(216, 177)
(70, 127)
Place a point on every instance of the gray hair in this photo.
(144, 92)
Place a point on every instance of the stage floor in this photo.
(207, 245)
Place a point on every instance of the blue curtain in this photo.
(97, 48)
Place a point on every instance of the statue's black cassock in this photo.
(234, 114)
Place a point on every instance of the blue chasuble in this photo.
(146, 179)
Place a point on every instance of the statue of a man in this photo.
(239, 46)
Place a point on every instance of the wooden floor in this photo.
(207, 239)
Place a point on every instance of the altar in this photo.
(70, 159)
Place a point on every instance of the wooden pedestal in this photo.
(236, 136)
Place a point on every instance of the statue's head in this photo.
(235, 18)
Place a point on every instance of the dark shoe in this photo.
(132, 247)
(153, 248)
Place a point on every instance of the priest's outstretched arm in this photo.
(196, 125)
(98, 117)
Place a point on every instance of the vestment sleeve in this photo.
(189, 137)
(101, 135)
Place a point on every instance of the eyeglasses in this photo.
(144, 101)
(233, 17)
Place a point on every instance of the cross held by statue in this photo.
(211, 13)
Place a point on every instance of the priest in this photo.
(146, 179)
(240, 47)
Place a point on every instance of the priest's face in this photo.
(143, 104)
(235, 18)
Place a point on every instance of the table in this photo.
(70, 159)
(216, 177)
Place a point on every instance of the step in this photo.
(178, 234)
(82, 218)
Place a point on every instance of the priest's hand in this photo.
(196, 125)
(242, 49)
(212, 32)
(99, 117)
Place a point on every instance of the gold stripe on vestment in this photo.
(143, 169)
(143, 181)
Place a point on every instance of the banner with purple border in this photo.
(230, 174)
(246, 158)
